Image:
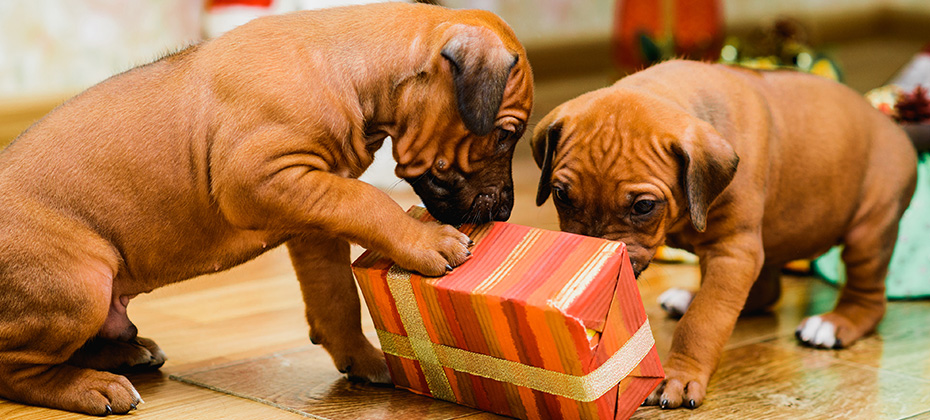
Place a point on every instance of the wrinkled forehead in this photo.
(616, 142)
(518, 94)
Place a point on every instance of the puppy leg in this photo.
(117, 347)
(862, 301)
(266, 183)
(765, 291)
(138, 354)
(728, 271)
(333, 308)
(68, 388)
(45, 316)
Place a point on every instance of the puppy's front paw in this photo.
(675, 301)
(363, 363)
(435, 251)
(820, 332)
(678, 391)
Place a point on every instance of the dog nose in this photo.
(484, 207)
(483, 203)
(504, 204)
(503, 213)
(490, 206)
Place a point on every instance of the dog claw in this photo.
(663, 403)
(132, 407)
(109, 410)
(692, 404)
(448, 268)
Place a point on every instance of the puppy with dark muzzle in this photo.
(747, 169)
(211, 156)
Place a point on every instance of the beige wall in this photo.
(51, 49)
(55, 46)
(559, 21)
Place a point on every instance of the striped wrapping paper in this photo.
(536, 324)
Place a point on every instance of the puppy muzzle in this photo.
(456, 202)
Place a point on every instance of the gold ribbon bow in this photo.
(433, 357)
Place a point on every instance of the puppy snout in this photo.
(484, 203)
(503, 213)
(638, 267)
(504, 205)
(491, 206)
(639, 258)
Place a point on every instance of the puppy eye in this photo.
(643, 207)
(503, 135)
(560, 195)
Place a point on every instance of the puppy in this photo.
(747, 169)
(211, 156)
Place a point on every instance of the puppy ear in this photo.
(708, 164)
(480, 68)
(544, 144)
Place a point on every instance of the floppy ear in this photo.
(544, 144)
(708, 164)
(480, 68)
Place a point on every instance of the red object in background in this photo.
(633, 18)
(685, 28)
(249, 3)
(914, 107)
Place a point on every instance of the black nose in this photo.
(483, 206)
(503, 213)
(490, 206)
(638, 268)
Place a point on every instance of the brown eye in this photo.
(643, 207)
(503, 135)
(560, 195)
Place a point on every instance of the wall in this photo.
(559, 21)
(52, 49)
(63, 46)
(59, 46)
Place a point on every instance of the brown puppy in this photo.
(748, 170)
(209, 157)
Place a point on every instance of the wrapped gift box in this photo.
(536, 324)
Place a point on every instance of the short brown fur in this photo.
(747, 169)
(209, 157)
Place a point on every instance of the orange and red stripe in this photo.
(527, 295)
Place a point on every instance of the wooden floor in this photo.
(256, 309)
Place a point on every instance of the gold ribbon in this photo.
(433, 357)
(421, 347)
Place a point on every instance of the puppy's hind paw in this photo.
(675, 301)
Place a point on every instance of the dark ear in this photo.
(708, 164)
(480, 69)
(544, 145)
